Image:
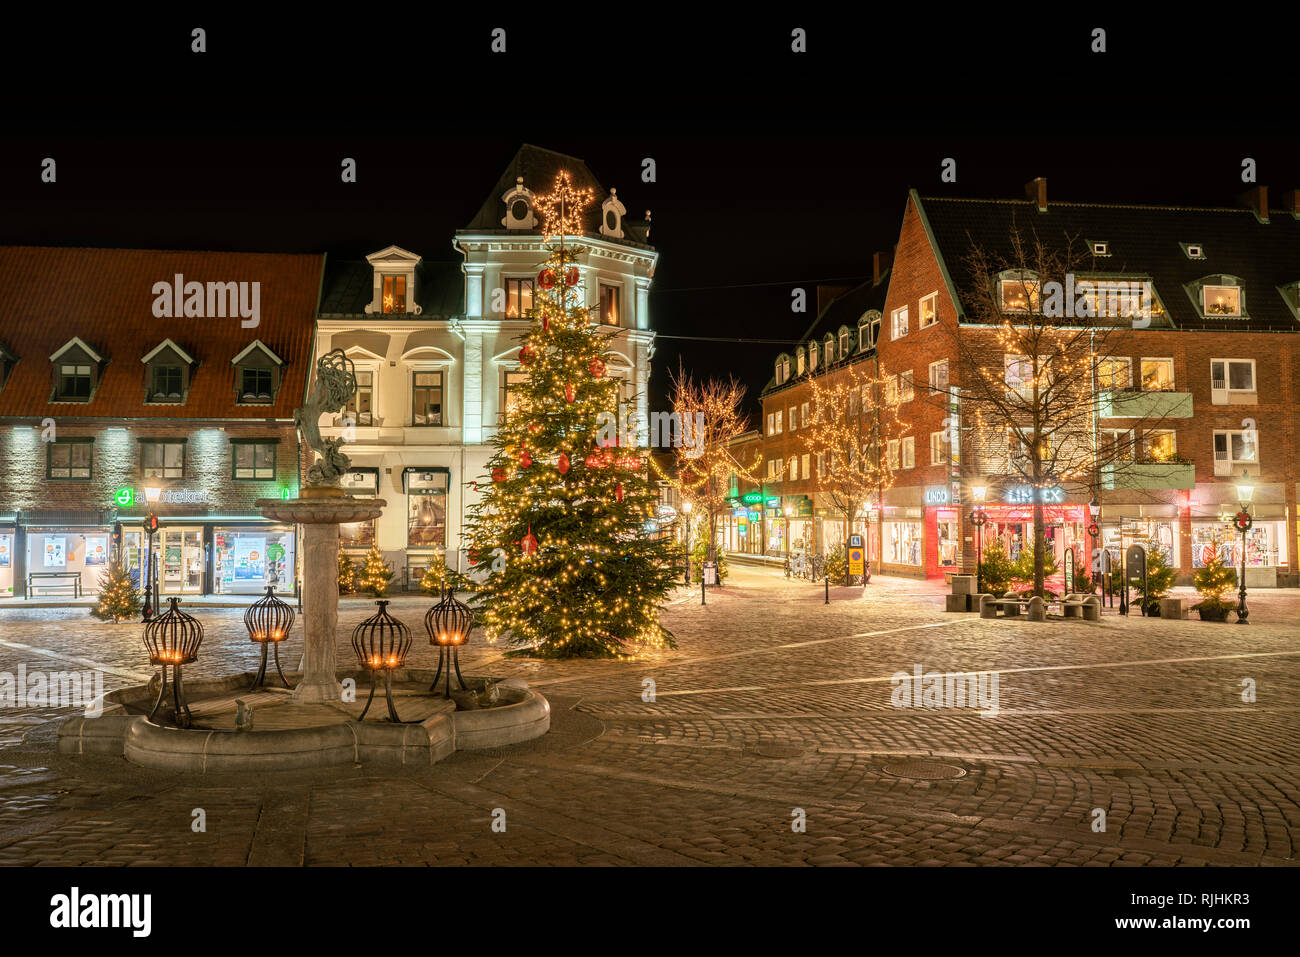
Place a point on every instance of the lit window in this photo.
(1114, 374)
(812, 357)
(426, 497)
(806, 473)
(1159, 445)
(358, 409)
(394, 294)
(892, 454)
(939, 376)
(803, 414)
(794, 418)
(1158, 375)
(426, 398)
(909, 452)
(1018, 295)
(906, 387)
(609, 314)
(793, 469)
(898, 322)
(519, 297)
(936, 449)
(512, 383)
(929, 310)
(844, 343)
(1221, 300)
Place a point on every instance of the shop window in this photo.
(246, 560)
(394, 295)
(901, 543)
(426, 503)
(68, 459)
(426, 398)
(609, 314)
(1230, 378)
(253, 461)
(357, 534)
(519, 297)
(162, 460)
(1158, 375)
(949, 543)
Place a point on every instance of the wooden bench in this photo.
(74, 583)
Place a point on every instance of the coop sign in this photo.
(938, 495)
(1028, 495)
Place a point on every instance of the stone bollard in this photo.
(1092, 608)
(988, 607)
(954, 603)
(1173, 608)
(1037, 609)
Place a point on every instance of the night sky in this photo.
(774, 170)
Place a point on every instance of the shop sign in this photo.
(938, 495)
(124, 497)
(740, 513)
(1028, 494)
(753, 498)
(774, 502)
(183, 496)
(665, 513)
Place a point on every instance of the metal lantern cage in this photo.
(172, 640)
(381, 643)
(269, 621)
(448, 623)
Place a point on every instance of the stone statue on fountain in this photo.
(336, 384)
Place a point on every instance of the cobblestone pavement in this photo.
(774, 709)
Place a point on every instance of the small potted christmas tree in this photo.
(375, 573)
(119, 599)
(1214, 581)
(347, 575)
(1160, 578)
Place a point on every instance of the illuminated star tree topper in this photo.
(562, 208)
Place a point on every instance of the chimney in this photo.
(1036, 191)
(1256, 200)
(880, 262)
(826, 293)
(1291, 202)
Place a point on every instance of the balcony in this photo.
(1149, 476)
(1137, 404)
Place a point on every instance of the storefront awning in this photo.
(67, 516)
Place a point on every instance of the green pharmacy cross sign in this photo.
(124, 497)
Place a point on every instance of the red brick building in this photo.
(1205, 389)
(125, 370)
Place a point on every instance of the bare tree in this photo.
(710, 415)
(1042, 358)
(853, 417)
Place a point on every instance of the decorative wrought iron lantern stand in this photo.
(381, 643)
(269, 621)
(448, 623)
(173, 640)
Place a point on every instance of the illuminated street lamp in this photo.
(152, 495)
(1094, 529)
(978, 518)
(686, 508)
(1243, 521)
(788, 512)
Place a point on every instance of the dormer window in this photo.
(257, 375)
(1221, 300)
(1099, 248)
(828, 347)
(76, 372)
(844, 343)
(1193, 250)
(167, 374)
(1019, 291)
(394, 282)
(812, 357)
(799, 359)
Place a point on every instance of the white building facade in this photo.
(436, 345)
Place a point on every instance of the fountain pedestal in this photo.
(320, 511)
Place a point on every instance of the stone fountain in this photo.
(321, 507)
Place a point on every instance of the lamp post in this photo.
(686, 528)
(152, 494)
(788, 512)
(978, 518)
(1094, 529)
(1244, 521)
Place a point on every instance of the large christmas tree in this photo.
(563, 532)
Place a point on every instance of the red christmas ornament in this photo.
(571, 277)
(546, 278)
(618, 491)
(546, 322)
(563, 464)
(525, 354)
(529, 542)
(498, 475)
(525, 460)
(597, 367)
(570, 393)
(593, 462)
